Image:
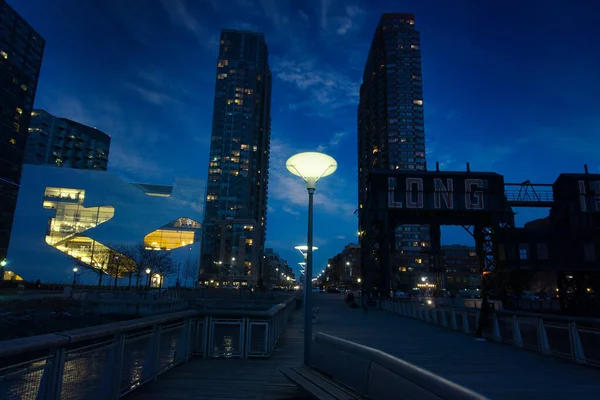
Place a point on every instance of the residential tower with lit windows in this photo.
(21, 51)
(65, 143)
(391, 132)
(235, 221)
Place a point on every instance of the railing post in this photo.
(465, 322)
(426, 314)
(116, 366)
(453, 323)
(434, 315)
(543, 345)
(443, 320)
(51, 382)
(496, 329)
(154, 352)
(517, 338)
(575, 341)
(183, 345)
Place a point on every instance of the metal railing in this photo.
(572, 338)
(379, 375)
(109, 361)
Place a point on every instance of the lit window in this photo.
(12, 141)
(414, 47)
(418, 261)
(249, 242)
(3, 54)
(23, 87)
(19, 110)
(418, 102)
(223, 63)
(221, 76)
(16, 126)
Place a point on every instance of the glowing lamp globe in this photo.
(311, 166)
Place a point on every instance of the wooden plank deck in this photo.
(497, 370)
(256, 379)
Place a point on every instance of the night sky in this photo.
(511, 86)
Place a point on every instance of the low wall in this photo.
(380, 376)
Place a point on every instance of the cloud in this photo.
(126, 159)
(304, 17)
(153, 96)
(333, 142)
(288, 189)
(325, 86)
(290, 211)
(161, 89)
(342, 237)
(181, 16)
(273, 13)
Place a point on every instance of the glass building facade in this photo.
(65, 143)
(68, 216)
(234, 227)
(391, 131)
(21, 51)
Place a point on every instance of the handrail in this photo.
(59, 339)
(433, 383)
(529, 314)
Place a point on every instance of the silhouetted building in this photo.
(567, 244)
(276, 269)
(21, 51)
(461, 267)
(344, 268)
(238, 171)
(391, 132)
(65, 143)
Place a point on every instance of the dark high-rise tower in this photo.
(391, 133)
(234, 229)
(21, 50)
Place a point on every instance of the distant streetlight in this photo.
(74, 276)
(3, 263)
(311, 167)
(148, 271)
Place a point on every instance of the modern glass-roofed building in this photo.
(65, 213)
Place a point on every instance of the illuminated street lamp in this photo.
(74, 276)
(148, 271)
(311, 167)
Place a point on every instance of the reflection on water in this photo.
(228, 346)
(90, 374)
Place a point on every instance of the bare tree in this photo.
(99, 261)
(132, 262)
(190, 271)
(161, 263)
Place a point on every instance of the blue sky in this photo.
(510, 86)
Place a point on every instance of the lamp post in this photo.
(148, 270)
(311, 167)
(74, 276)
(2, 266)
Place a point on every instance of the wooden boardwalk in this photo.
(497, 370)
(256, 379)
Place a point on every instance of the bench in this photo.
(318, 385)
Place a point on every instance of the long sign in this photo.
(432, 192)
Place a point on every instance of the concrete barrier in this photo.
(378, 375)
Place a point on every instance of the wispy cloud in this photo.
(348, 21)
(180, 15)
(325, 86)
(333, 142)
(290, 190)
(127, 160)
(153, 96)
(290, 211)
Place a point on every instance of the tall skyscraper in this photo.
(234, 230)
(65, 143)
(391, 132)
(21, 51)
